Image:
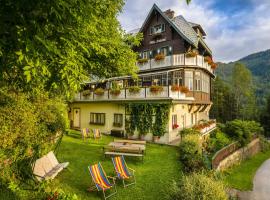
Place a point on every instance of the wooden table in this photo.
(129, 147)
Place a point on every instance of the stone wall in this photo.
(241, 154)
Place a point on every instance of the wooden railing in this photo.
(176, 60)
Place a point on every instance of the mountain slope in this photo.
(259, 65)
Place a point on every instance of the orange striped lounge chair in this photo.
(123, 171)
(101, 181)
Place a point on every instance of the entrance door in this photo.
(76, 117)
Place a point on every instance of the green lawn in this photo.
(241, 176)
(153, 176)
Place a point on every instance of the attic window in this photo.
(157, 29)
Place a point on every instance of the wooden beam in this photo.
(190, 106)
(199, 107)
(203, 108)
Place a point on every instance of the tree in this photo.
(243, 92)
(223, 108)
(265, 118)
(56, 45)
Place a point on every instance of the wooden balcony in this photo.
(176, 60)
(143, 94)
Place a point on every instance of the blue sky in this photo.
(235, 28)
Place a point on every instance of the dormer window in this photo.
(157, 29)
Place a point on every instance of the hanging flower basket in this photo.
(159, 57)
(99, 92)
(115, 92)
(86, 93)
(156, 89)
(184, 89)
(175, 88)
(142, 60)
(134, 89)
(191, 54)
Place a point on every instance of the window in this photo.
(118, 120)
(145, 55)
(97, 118)
(205, 83)
(157, 29)
(198, 86)
(189, 80)
(174, 122)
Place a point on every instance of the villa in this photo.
(175, 68)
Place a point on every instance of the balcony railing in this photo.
(176, 60)
(143, 94)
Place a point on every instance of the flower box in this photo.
(184, 89)
(156, 89)
(115, 92)
(191, 54)
(134, 89)
(99, 92)
(142, 61)
(159, 57)
(175, 88)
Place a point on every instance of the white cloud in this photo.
(230, 37)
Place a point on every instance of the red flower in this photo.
(174, 126)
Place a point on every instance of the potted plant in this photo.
(134, 89)
(142, 60)
(155, 138)
(86, 93)
(175, 88)
(115, 91)
(159, 57)
(191, 54)
(174, 126)
(99, 91)
(156, 89)
(208, 59)
(184, 89)
(213, 65)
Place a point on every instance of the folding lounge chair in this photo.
(97, 134)
(101, 181)
(123, 171)
(85, 133)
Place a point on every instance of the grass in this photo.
(154, 175)
(241, 176)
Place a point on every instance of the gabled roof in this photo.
(182, 27)
(192, 24)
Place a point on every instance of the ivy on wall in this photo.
(147, 117)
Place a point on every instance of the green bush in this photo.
(242, 131)
(217, 141)
(264, 143)
(188, 131)
(28, 130)
(198, 187)
(191, 153)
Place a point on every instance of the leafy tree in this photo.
(243, 91)
(265, 118)
(56, 45)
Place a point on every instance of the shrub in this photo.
(242, 131)
(191, 153)
(217, 141)
(188, 131)
(198, 187)
(99, 91)
(264, 143)
(28, 129)
(134, 89)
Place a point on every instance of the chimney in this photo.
(169, 13)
